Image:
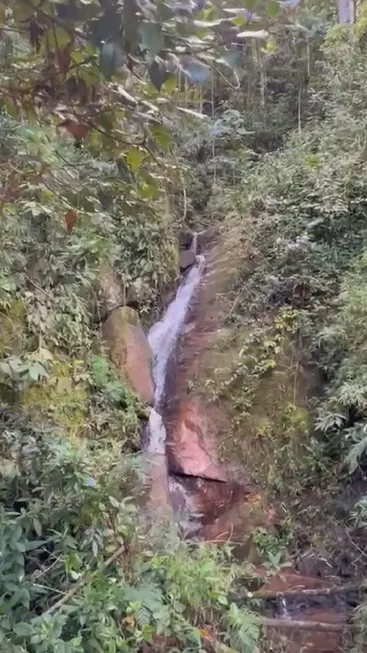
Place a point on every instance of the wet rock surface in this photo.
(191, 446)
(186, 260)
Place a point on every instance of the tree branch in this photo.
(296, 624)
(321, 591)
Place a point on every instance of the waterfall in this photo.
(163, 338)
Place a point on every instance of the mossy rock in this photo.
(264, 389)
(130, 351)
(60, 399)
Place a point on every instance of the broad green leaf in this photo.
(37, 526)
(23, 629)
(272, 8)
(22, 11)
(238, 21)
(150, 189)
(10, 107)
(36, 371)
(151, 38)
(161, 136)
(55, 38)
(35, 544)
(111, 58)
(170, 85)
(134, 158)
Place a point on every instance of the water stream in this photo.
(163, 338)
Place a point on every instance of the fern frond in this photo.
(355, 454)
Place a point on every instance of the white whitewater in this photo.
(163, 339)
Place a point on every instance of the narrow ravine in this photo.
(208, 499)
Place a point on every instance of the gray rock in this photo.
(187, 259)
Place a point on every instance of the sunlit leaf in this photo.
(194, 114)
(208, 24)
(170, 85)
(134, 158)
(240, 11)
(161, 136)
(255, 34)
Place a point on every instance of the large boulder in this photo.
(187, 259)
(185, 239)
(111, 292)
(130, 351)
(191, 444)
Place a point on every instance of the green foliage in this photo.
(115, 410)
(271, 547)
(343, 413)
(62, 520)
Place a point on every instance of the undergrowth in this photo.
(296, 396)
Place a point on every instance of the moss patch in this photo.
(62, 398)
(260, 382)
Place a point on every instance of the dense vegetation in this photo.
(103, 159)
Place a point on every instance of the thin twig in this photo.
(83, 580)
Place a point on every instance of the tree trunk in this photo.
(346, 11)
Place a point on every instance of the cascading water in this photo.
(162, 339)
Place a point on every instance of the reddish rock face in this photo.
(191, 444)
